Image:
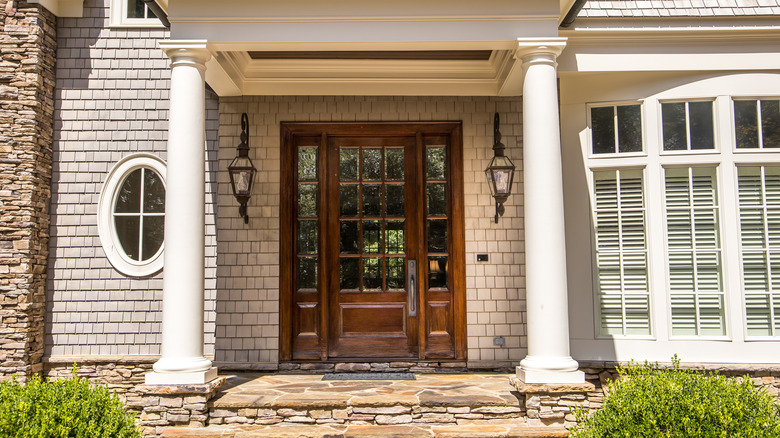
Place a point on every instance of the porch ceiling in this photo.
(482, 71)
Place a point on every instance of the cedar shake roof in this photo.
(679, 8)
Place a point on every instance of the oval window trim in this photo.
(106, 226)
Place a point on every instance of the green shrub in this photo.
(62, 408)
(648, 401)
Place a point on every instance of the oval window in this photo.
(132, 215)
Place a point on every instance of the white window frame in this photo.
(732, 119)
(716, 141)
(105, 221)
(117, 17)
(614, 105)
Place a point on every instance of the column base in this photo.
(189, 378)
(546, 376)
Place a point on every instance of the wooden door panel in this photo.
(373, 319)
(306, 341)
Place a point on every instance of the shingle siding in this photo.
(679, 8)
(111, 101)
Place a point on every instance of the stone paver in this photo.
(257, 390)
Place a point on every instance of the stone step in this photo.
(494, 430)
(431, 400)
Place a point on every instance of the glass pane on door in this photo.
(371, 219)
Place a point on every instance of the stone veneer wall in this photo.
(112, 101)
(161, 406)
(27, 62)
(247, 328)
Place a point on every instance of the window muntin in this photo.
(687, 126)
(757, 124)
(621, 253)
(616, 129)
(139, 214)
(694, 252)
(759, 217)
(131, 215)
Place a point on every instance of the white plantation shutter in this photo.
(759, 216)
(621, 253)
(693, 236)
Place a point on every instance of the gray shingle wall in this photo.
(679, 8)
(111, 101)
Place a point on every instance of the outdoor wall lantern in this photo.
(242, 171)
(500, 172)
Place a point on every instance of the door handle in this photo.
(412, 274)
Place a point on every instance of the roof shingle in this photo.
(679, 8)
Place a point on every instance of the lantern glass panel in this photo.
(502, 179)
(244, 182)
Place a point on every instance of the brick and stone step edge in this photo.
(366, 415)
(369, 431)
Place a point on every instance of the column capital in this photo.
(186, 51)
(546, 47)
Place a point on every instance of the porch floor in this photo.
(310, 391)
(433, 405)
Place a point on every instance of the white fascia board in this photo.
(368, 31)
(63, 8)
(338, 9)
(709, 49)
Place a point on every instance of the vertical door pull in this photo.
(412, 273)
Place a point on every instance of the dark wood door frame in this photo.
(432, 344)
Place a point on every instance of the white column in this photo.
(182, 360)
(548, 359)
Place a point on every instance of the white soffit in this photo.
(412, 72)
(63, 8)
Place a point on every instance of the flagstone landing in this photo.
(432, 406)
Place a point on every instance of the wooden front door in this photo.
(372, 258)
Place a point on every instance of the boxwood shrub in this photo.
(649, 401)
(69, 408)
